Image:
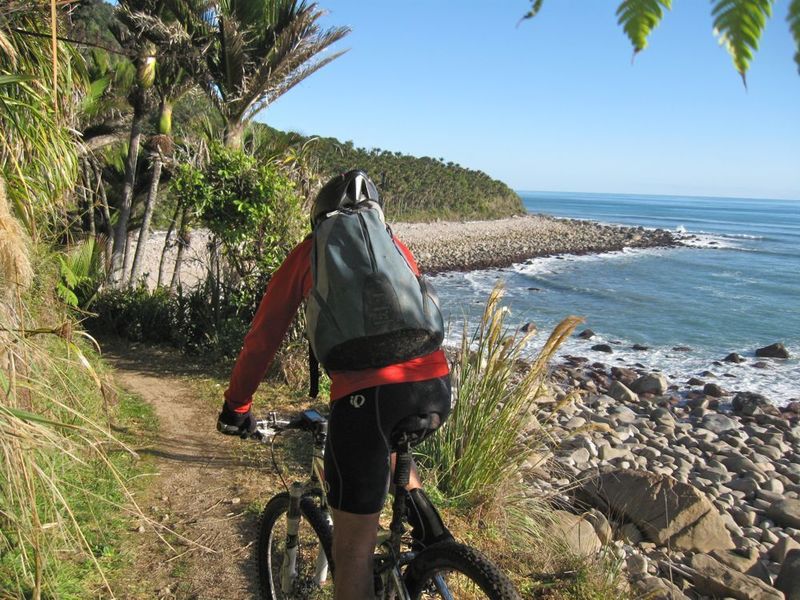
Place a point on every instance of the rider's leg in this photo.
(354, 539)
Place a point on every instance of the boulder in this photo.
(780, 551)
(733, 358)
(529, 328)
(777, 350)
(575, 532)
(713, 390)
(601, 525)
(667, 511)
(712, 578)
(623, 375)
(652, 383)
(718, 423)
(789, 576)
(620, 392)
(748, 403)
(785, 513)
(586, 334)
(602, 348)
(654, 588)
(740, 561)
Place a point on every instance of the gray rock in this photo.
(776, 350)
(575, 532)
(748, 403)
(740, 560)
(666, 510)
(785, 513)
(713, 390)
(718, 423)
(631, 534)
(622, 414)
(655, 588)
(713, 578)
(780, 550)
(789, 577)
(601, 525)
(652, 383)
(748, 485)
(602, 348)
(733, 358)
(620, 392)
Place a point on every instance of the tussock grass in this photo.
(63, 490)
(477, 460)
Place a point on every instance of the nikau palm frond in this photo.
(794, 25)
(638, 18)
(738, 24)
(254, 51)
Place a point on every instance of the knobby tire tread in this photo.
(275, 509)
(452, 556)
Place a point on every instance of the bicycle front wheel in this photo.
(451, 570)
(291, 567)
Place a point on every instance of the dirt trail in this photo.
(202, 488)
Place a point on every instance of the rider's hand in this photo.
(233, 423)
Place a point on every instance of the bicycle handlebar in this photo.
(266, 429)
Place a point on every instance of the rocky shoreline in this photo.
(471, 245)
(695, 489)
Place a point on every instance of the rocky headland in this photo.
(465, 246)
(694, 488)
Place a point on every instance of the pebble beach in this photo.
(464, 246)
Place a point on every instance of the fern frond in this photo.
(794, 26)
(738, 24)
(638, 18)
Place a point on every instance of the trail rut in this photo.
(201, 496)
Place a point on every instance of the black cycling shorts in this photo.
(357, 467)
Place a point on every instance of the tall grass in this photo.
(57, 480)
(477, 459)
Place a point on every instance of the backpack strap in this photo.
(313, 373)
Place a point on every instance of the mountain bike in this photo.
(296, 535)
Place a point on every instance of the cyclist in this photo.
(365, 406)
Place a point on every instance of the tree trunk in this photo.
(89, 197)
(183, 241)
(144, 232)
(167, 240)
(234, 135)
(101, 193)
(119, 252)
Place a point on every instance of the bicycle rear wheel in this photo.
(451, 570)
(304, 572)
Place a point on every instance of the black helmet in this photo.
(346, 189)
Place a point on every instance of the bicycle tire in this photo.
(472, 574)
(315, 535)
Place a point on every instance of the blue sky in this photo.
(556, 103)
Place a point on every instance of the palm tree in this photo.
(144, 51)
(172, 81)
(737, 23)
(254, 51)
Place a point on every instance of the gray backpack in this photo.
(367, 308)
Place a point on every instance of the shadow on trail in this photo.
(159, 359)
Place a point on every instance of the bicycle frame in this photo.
(389, 560)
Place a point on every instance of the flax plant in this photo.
(476, 460)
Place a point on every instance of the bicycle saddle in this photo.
(415, 428)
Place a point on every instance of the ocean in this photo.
(734, 288)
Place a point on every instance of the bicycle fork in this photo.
(289, 565)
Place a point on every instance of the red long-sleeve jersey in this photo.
(289, 286)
